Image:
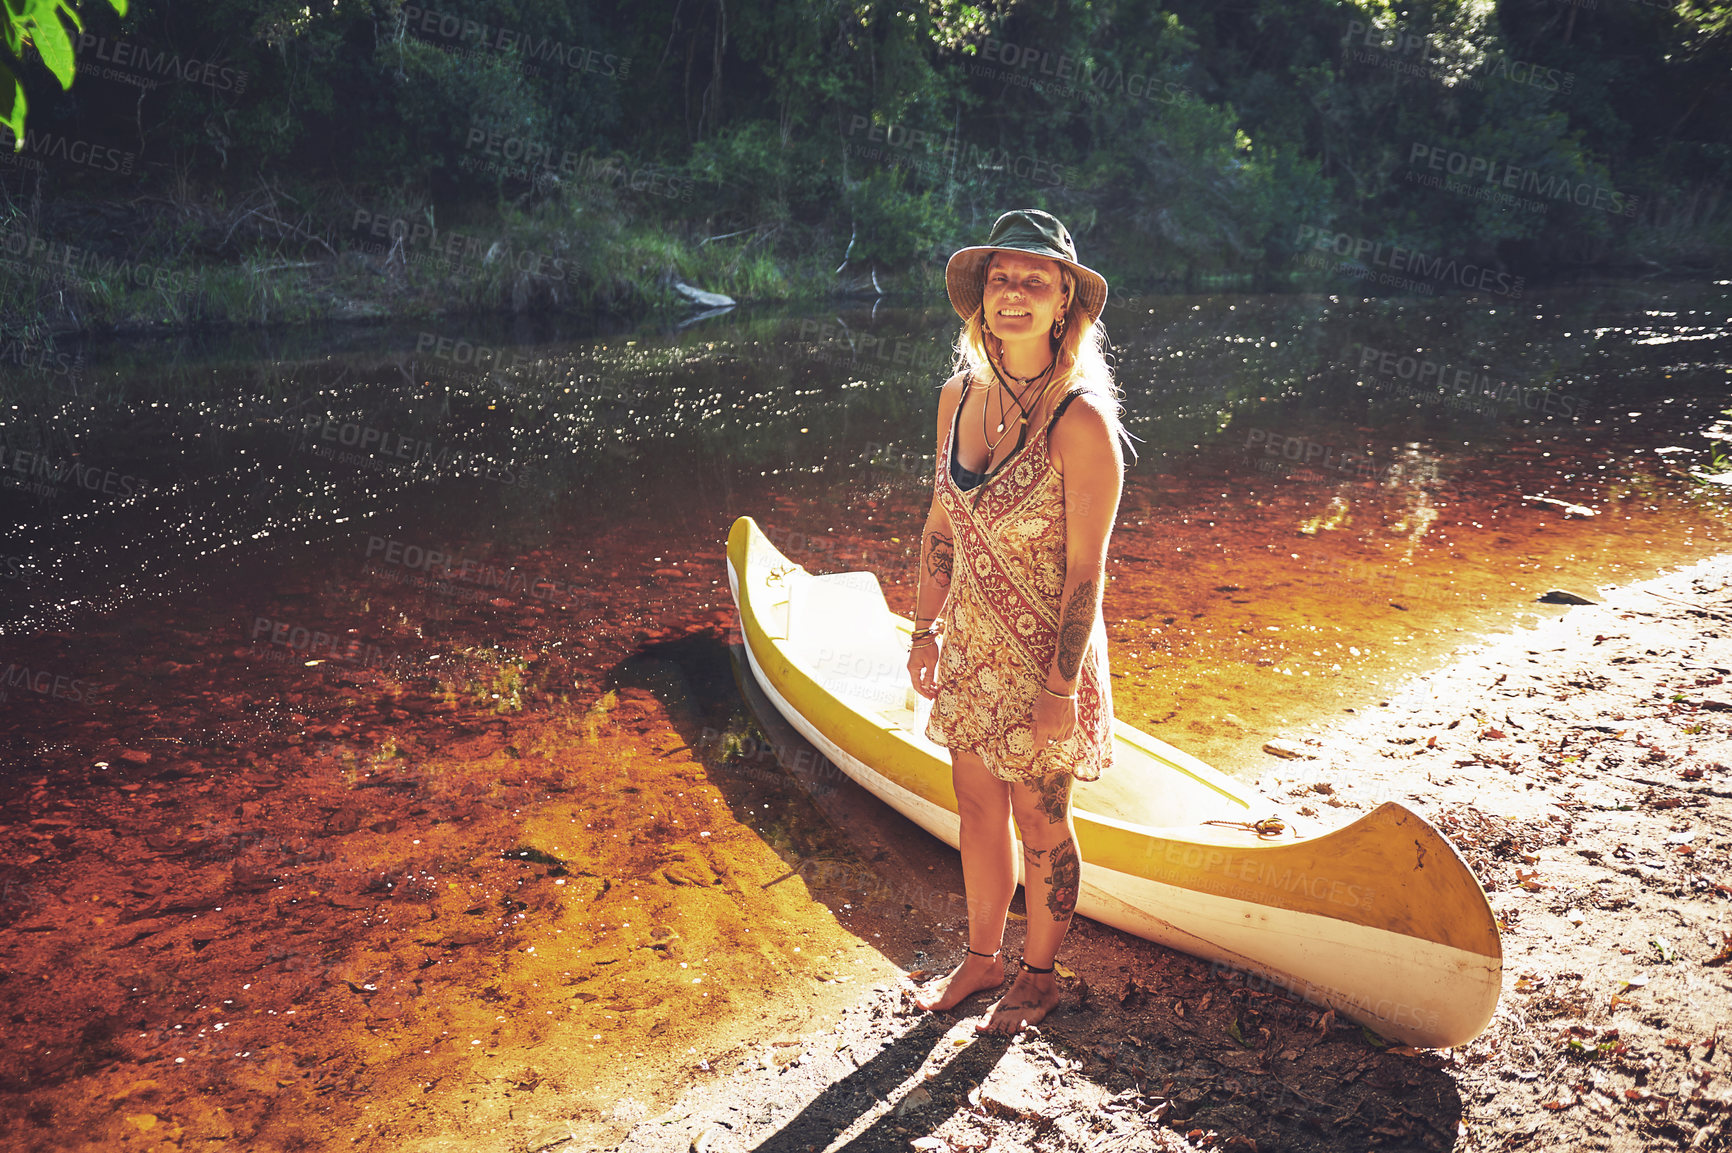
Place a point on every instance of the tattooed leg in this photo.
(1064, 877)
(1052, 872)
(1054, 792)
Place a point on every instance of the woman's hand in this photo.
(1054, 719)
(923, 667)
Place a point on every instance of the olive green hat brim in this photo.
(1032, 233)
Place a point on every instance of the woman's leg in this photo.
(1052, 873)
(988, 878)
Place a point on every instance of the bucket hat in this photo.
(1026, 230)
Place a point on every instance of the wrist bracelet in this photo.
(931, 630)
(1060, 696)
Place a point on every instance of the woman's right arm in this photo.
(937, 554)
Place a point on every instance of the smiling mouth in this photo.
(1013, 312)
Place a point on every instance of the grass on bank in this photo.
(565, 255)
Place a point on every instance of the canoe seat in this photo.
(840, 632)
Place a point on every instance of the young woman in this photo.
(1009, 642)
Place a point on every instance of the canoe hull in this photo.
(1380, 919)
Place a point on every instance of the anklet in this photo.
(994, 953)
(1028, 968)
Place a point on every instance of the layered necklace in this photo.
(1029, 387)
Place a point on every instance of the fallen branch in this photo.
(280, 267)
(726, 235)
(1689, 604)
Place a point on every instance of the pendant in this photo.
(1001, 426)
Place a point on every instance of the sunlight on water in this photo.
(400, 666)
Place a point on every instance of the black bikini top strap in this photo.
(1062, 405)
(1125, 437)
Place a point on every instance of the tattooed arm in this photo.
(1087, 455)
(937, 556)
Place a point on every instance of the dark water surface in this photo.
(1304, 459)
(368, 712)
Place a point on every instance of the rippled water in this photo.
(142, 463)
(380, 677)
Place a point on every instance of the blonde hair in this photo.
(1080, 354)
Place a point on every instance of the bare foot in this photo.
(973, 975)
(1030, 999)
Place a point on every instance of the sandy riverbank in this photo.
(1582, 769)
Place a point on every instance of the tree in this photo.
(38, 23)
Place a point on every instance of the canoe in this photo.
(1379, 919)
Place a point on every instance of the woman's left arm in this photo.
(1087, 455)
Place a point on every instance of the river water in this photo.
(368, 702)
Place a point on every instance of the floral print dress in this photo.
(1002, 626)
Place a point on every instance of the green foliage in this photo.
(39, 24)
(892, 224)
(1180, 139)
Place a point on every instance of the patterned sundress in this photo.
(1002, 617)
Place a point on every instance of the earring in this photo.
(1058, 328)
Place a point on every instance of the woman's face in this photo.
(1023, 294)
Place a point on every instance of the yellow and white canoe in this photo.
(1380, 919)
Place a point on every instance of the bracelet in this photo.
(1060, 696)
(922, 643)
(932, 630)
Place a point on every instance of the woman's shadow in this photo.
(871, 1085)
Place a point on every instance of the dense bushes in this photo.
(1181, 139)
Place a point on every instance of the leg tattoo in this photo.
(1065, 879)
(1055, 796)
